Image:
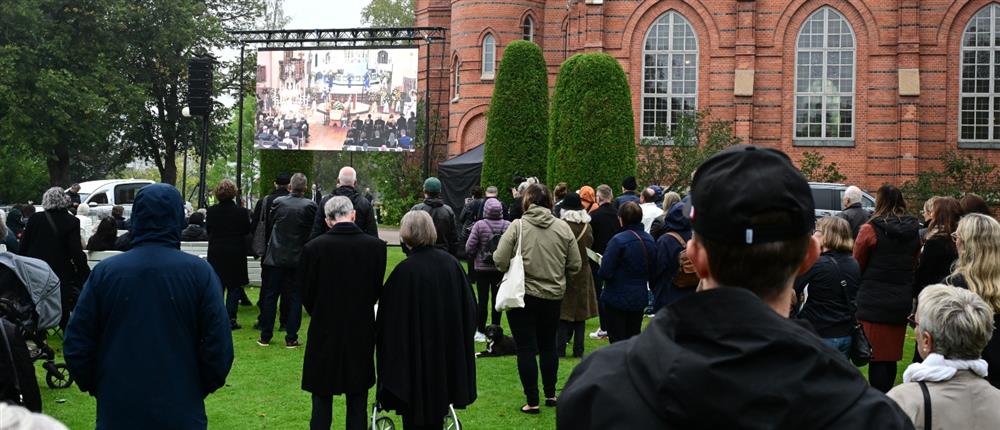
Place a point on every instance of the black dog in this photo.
(497, 344)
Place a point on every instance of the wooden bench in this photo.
(199, 249)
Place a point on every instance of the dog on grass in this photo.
(497, 344)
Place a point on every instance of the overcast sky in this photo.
(318, 14)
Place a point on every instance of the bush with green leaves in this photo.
(672, 159)
(274, 161)
(815, 169)
(959, 174)
(517, 122)
(591, 128)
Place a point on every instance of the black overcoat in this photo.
(342, 272)
(426, 322)
(228, 226)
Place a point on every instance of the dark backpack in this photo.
(491, 247)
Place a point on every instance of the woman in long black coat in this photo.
(228, 226)
(425, 328)
(53, 236)
(342, 272)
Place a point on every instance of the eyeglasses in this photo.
(912, 320)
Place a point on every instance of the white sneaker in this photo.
(479, 337)
(599, 334)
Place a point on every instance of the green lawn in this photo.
(263, 389)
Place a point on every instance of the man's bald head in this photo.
(347, 176)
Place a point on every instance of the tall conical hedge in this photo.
(518, 119)
(592, 133)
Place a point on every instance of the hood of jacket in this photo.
(539, 217)
(675, 220)
(897, 227)
(14, 220)
(346, 191)
(492, 209)
(434, 202)
(158, 216)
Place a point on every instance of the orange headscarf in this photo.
(588, 198)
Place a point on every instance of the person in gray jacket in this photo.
(853, 212)
(290, 220)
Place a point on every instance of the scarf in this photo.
(936, 368)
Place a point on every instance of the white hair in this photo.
(55, 198)
(338, 207)
(959, 321)
(83, 210)
(852, 195)
(347, 176)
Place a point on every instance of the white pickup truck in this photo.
(101, 196)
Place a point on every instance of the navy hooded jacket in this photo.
(668, 249)
(150, 336)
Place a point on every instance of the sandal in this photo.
(530, 410)
(551, 402)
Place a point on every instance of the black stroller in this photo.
(382, 421)
(30, 299)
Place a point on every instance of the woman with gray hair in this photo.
(53, 236)
(424, 329)
(949, 390)
(7, 237)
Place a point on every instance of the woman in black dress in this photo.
(228, 226)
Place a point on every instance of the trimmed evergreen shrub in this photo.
(591, 134)
(274, 161)
(517, 122)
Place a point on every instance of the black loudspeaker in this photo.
(200, 86)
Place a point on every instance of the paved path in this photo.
(389, 234)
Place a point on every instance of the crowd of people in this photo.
(744, 292)
(281, 132)
(388, 133)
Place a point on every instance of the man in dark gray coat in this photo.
(340, 354)
(853, 212)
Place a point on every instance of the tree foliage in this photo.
(275, 161)
(959, 174)
(389, 13)
(671, 160)
(815, 169)
(517, 122)
(592, 133)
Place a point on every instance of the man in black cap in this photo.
(628, 192)
(728, 356)
(259, 226)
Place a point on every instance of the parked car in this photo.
(101, 196)
(829, 199)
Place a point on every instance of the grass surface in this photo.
(263, 389)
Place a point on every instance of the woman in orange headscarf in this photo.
(588, 198)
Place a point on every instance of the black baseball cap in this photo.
(283, 179)
(734, 188)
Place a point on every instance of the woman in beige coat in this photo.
(949, 390)
(580, 302)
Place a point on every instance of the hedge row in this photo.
(273, 162)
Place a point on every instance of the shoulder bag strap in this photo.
(852, 308)
(520, 235)
(584, 230)
(644, 253)
(927, 405)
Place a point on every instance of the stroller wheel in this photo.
(384, 423)
(57, 376)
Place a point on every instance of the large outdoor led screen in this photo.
(337, 100)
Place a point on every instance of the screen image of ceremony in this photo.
(337, 100)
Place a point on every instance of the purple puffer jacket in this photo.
(483, 230)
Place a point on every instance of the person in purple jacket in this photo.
(481, 245)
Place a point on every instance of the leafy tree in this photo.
(591, 134)
(517, 122)
(23, 174)
(959, 174)
(814, 169)
(389, 13)
(273, 15)
(671, 160)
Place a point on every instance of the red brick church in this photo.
(882, 87)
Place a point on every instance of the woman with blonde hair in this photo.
(827, 292)
(978, 270)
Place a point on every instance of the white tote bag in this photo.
(511, 293)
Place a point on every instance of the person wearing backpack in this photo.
(627, 269)
(673, 271)
(483, 240)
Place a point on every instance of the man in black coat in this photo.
(853, 212)
(342, 272)
(347, 181)
(258, 225)
(728, 356)
(290, 221)
(445, 222)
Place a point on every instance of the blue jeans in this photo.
(842, 344)
(277, 277)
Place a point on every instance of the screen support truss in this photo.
(329, 39)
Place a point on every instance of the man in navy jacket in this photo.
(150, 336)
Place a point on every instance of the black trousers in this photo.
(282, 296)
(598, 288)
(622, 325)
(534, 330)
(322, 412)
(575, 330)
(487, 287)
(882, 375)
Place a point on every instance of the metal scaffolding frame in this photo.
(330, 39)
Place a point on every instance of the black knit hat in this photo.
(572, 202)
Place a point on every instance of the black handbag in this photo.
(861, 349)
